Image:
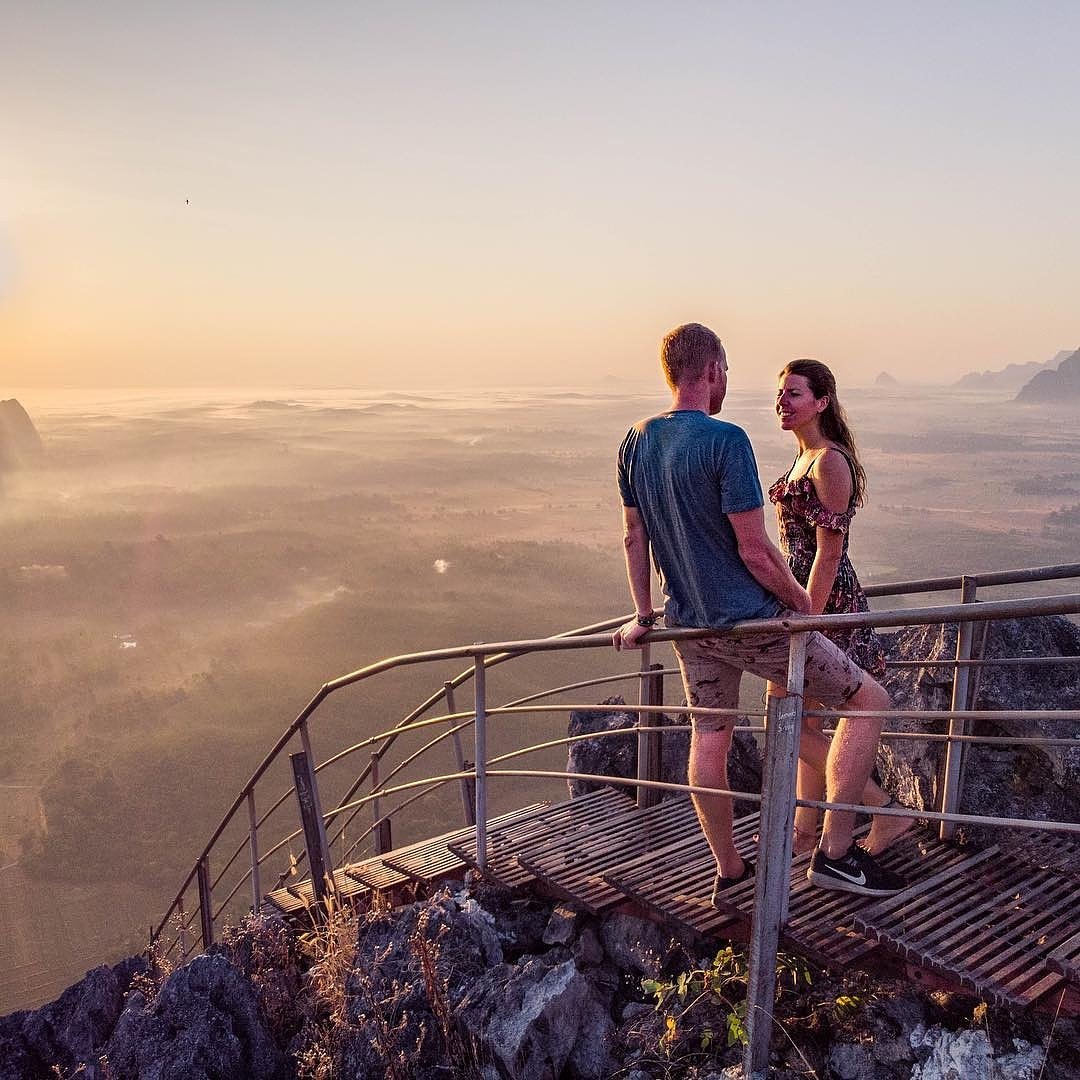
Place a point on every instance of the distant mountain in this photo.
(1060, 385)
(885, 379)
(19, 439)
(1011, 377)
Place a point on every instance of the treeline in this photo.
(1067, 519)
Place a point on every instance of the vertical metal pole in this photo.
(468, 794)
(655, 748)
(954, 751)
(480, 741)
(772, 879)
(307, 796)
(380, 829)
(183, 928)
(253, 844)
(206, 910)
(646, 797)
(324, 846)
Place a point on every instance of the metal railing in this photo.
(777, 798)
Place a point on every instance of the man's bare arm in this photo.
(765, 562)
(638, 575)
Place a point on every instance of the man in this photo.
(691, 495)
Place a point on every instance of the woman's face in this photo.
(795, 403)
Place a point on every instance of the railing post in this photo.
(380, 831)
(954, 751)
(307, 796)
(253, 845)
(480, 752)
(468, 791)
(650, 743)
(646, 797)
(183, 928)
(206, 910)
(772, 878)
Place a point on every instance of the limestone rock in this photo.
(538, 1019)
(616, 755)
(850, 1061)
(70, 1033)
(563, 926)
(1057, 385)
(20, 442)
(205, 1023)
(969, 1055)
(635, 945)
(413, 966)
(1006, 781)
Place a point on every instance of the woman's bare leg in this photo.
(810, 784)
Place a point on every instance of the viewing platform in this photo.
(999, 920)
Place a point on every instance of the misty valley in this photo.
(179, 575)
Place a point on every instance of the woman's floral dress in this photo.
(800, 513)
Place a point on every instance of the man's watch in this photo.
(648, 620)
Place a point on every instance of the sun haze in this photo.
(404, 195)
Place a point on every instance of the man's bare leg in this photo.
(708, 768)
(849, 764)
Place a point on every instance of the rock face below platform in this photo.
(1005, 781)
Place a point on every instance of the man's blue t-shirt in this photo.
(685, 472)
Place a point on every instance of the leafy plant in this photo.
(722, 984)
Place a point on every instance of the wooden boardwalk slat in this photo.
(422, 861)
(574, 866)
(676, 881)
(1051, 851)
(1065, 959)
(993, 922)
(298, 897)
(506, 841)
(428, 860)
(377, 875)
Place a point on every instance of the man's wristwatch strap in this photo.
(649, 620)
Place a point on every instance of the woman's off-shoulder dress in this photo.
(800, 515)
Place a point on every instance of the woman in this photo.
(815, 502)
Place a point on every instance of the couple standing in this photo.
(692, 498)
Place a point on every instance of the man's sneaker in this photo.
(857, 871)
(722, 883)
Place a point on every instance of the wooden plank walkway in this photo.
(991, 921)
(573, 819)
(821, 923)
(1006, 927)
(1052, 851)
(422, 862)
(675, 882)
(572, 865)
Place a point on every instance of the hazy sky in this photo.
(394, 193)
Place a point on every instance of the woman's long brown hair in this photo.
(834, 424)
